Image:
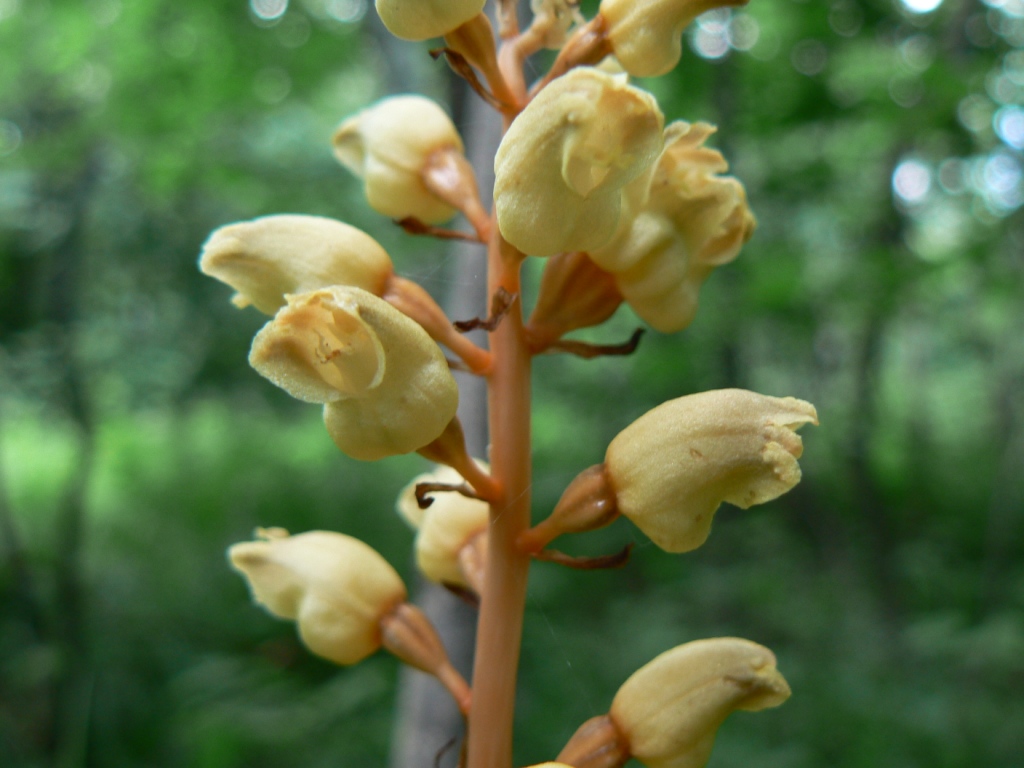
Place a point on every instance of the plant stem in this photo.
(504, 599)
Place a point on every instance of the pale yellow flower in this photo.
(336, 588)
(562, 164)
(385, 384)
(266, 258)
(390, 145)
(672, 468)
(423, 19)
(646, 35)
(683, 220)
(445, 528)
(669, 710)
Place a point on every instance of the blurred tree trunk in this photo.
(428, 727)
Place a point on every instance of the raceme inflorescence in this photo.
(620, 207)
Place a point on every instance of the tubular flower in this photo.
(686, 221)
(266, 258)
(385, 384)
(562, 165)
(446, 528)
(423, 19)
(335, 587)
(391, 146)
(646, 35)
(670, 709)
(672, 468)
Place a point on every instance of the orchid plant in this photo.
(621, 208)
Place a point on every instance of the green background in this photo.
(136, 445)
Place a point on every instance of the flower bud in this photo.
(685, 222)
(386, 385)
(266, 258)
(646, 35)
(423, 19)
(449, 525)
(335, 587)
(390, 146)
(565, 158)
(672, 468)
(669, 710)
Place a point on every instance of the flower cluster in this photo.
(620, 208)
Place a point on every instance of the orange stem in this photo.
(503, 602)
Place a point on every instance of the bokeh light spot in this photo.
(346, 11)
(921, 6)
(710, 36)
(1009, 125)
(911, 181)
(268, 10)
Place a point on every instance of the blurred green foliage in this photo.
(881, 149)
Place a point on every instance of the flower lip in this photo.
(319, 349)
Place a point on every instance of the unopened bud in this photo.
(386, 385)
(423, 19)
(334, 586)
(646, 35)
(266, 258)
(390, 145)
(565, 158)
(669, 710)
(672, 468)
(451, 524)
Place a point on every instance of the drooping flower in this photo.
(393, 145)
(673, 467)
(268, 257)
(336, 588)
(561, 166)
(685, 220)
(646, 35)
(669, 710)
(386, 386)
(423, 19)
(670, 470)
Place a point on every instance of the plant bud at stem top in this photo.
(386, 385)
(423, 19)
(562, 164)
(646, 35)
(334, 586)
(672, 468)
(669, 710)
(266, 258)
(389, 145)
